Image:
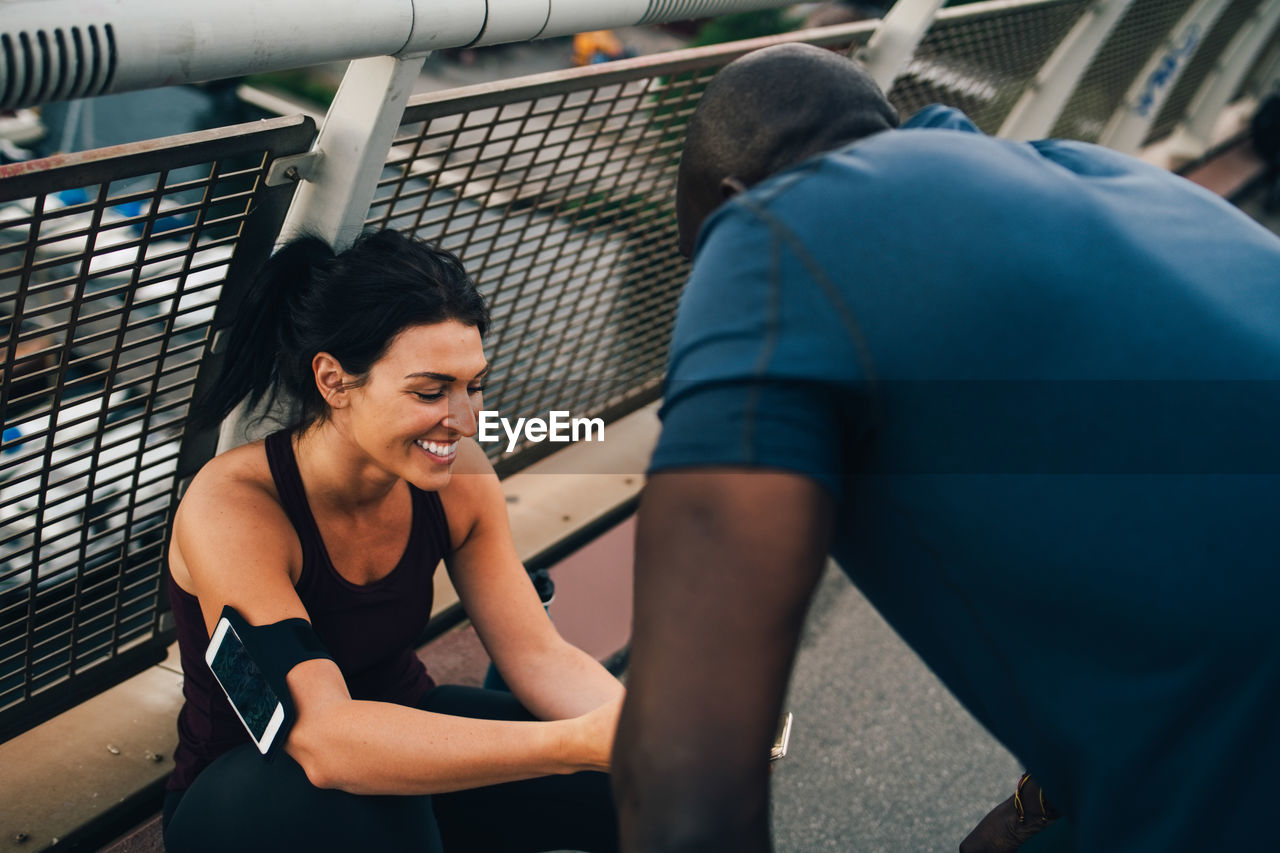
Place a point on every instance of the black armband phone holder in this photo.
(276, 649)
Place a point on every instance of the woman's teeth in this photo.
(442, 449)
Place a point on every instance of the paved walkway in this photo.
(882, 758)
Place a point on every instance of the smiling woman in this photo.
(339, 520)
(417, 401)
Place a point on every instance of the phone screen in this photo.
(247, 688)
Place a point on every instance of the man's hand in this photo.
(1012, 823)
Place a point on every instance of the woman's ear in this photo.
(331, 379)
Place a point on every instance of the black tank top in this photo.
(369, 630)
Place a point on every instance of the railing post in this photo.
(353, 143)
(1270, 69)
(334, 195)
(1128, 126)
(894, 42)
(1194, 134)
(1038, 109)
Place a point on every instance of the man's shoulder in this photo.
(883, 183)
(936, 146)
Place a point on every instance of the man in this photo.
(1025, 394)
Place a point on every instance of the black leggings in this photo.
(242, 803)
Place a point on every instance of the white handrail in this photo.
(62, 49)
(894, 42)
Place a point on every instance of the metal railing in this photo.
(113, 263)
(982, 63)
(1210, 54)
(557, 192)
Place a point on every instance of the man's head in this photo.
(766, 111)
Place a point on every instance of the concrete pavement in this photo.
(883, 758)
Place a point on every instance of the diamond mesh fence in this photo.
(557, 192)
(1100, 92)
(1264, 74)
(982, 63)
(1206, 56)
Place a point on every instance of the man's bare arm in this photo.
(726, 562)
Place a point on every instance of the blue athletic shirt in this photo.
(1040, 381)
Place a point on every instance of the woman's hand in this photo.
(592, 739)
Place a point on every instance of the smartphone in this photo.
(253, 700)
(782, 738)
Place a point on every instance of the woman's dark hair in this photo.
(307, 299)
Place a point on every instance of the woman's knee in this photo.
(241, 802)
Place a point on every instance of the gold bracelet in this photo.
(1017, 797)
(1017, 801)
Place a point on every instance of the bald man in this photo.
(1026, 395)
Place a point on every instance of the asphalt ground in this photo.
(883, 759)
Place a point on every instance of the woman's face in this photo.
(418, 400)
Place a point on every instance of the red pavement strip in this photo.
(1229, 171)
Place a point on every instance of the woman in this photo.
(340, 520)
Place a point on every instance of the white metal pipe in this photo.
(514, 20)
(576, 16)
(62, 49)
(439, 24)
(894, 42)
(1038, 109)
(91, 47)
(1128, 126)
(1194, 134)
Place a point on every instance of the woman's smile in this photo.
(440, 452)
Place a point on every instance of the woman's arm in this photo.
(550, 677)
(380, 748)
(233, 544)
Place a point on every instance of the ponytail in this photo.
(308, 300)
(260, 332)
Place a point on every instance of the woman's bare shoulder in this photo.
(231, 504)
(241, 472)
